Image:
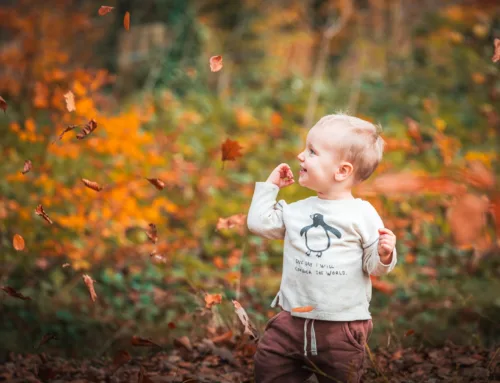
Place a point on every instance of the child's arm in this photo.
(379, 243)
(265, 217)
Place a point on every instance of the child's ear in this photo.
(344, 171)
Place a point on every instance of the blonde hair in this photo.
(360, 144)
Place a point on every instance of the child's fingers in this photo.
(385, 230)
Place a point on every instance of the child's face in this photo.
(318, 161)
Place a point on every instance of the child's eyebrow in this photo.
(312, 147)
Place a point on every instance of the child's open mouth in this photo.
(302, 170)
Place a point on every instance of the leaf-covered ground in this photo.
(206, 362)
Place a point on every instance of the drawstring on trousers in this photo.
(314, 350)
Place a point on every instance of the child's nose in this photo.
(300, 156)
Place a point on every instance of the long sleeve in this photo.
(369, 225)
(265, 216)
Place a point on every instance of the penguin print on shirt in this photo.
(321, 230)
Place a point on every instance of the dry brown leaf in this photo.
(243, 316)
(27, 166)
(18, 242)
(87, 129)
(143, 342)
(92, 185)
(126, 21)
(3, 105)
(467, 218)
(303, 309)
(152, 233)
(46, 338)
(69, 97)
(39, 211)
(66, 265)
(222, 337)
(184, 342)
(237, 220)
(13, 293)
(121, 357)
(90, 286)
(212, 299)
(158, 183)
(216, 63)
(171, 325)
(104, 9)
(414, 130)
(496, 54)
(68, 129)
(230, 150)
(142, 377)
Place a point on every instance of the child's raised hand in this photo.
(386, 243)
(281, 176)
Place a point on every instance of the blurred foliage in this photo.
(432, 86)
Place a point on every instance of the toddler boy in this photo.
(333, 242)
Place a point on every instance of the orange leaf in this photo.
(212, 299)
(158, 183)
(91, 185)
(27, 166)
(69, 97)
(46, 338)
(18, 242)
(87, 129)
(152, 233)
(230, 150)
(409, 332)
(13, 293)
(90, 285)
(385, 287)
(3, 105)
(39, 211)
(104, 10)
(496, 55)
(216, 63)
(171, 325)
(68, 129)
(467, 218)
(143, 342)
(126, 21)
(304, 309)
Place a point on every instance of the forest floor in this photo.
(206, 362)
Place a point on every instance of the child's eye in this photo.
(311, 151)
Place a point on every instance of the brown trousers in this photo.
(281, 358)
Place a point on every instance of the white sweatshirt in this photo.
(330, 250)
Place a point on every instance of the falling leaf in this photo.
(3, 105)
(92, 185)
(87, 129)
(237, 220)
(152, 233)
(242, 314)
(69, 97)
(212, 299)
(121, 357)
(158, 183)
(46, 338)
(27, 166)
(13, 293)
(467, 218)
(409, 332)
(216, 63)
(90, 285)
(303, 309)
(383, 286)
(157, 257)
(18, 242)
(496, 55)
(230, 150)
(104, 9)
(171, 325)
(66, 265)
(39, 211)
(143, 342)
(68, 129)
(126, 21)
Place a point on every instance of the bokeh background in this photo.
(421, 69)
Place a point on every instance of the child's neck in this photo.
(336, 194)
